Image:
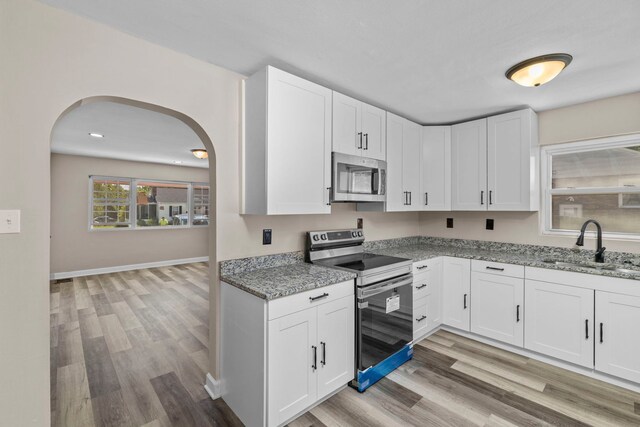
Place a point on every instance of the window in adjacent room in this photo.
(162, 204)
(110, 206)
(598, 180)
(200, 207)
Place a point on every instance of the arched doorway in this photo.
(126, 328)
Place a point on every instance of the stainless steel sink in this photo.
(606, 267)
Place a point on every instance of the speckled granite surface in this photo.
(275, 276)
(275, 282)
(527, 255)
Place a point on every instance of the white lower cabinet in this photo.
(456, 291)
(559, 321)
(498, 307)
(617, 338)
(427, 298)
(282, 356)
(293, 383)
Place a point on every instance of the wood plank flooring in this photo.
(454, 381)
(130, 349)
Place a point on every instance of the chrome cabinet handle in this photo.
(315, 357)
(360, 135)
(482, 197)
(318, 297)
(421, 318)
(324, 353)
(329, 197)
(424, 285)
(366, 141)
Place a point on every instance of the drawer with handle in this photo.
(498, 268)
(423, 282)
(290, 304)
(423, 266)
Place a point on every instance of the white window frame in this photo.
(546, 152)
(133, 205)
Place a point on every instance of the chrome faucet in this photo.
(580, 242)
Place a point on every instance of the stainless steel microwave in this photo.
(358, 179)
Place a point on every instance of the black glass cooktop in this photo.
(362, 261)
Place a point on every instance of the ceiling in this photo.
(432, 61)
(130, 133)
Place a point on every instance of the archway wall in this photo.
(50, 60)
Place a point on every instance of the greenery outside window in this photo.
(153, 204)
(597, 179)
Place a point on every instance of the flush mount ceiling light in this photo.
(539, 70)
(200, 153)
(96, 135)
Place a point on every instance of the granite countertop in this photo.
(527, 256)
(279, 275)
(288, 279)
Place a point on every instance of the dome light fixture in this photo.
(539, 70)
(200, 153)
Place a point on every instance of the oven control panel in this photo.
(334, 237)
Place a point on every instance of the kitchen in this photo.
(185, 79)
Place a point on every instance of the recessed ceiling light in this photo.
(539, 70)
(96, 135)
(200, 153)
(177, 162)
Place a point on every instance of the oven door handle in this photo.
(385, 286)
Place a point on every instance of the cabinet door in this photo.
(336, 352)
(456, 290)
(292, 381)
(395, 192)
(559, 321)
(498, 307)
(299, 145)
(435, 191)
(347, 133)
(469, 166)
(617, 337)
(411, 141)
(374, 124)
(509, 140)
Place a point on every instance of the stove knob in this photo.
(354, 234)
(315, 237)
(359, 233)
(323, 237)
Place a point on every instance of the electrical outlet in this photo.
(266, 236)
(449, 222)
(489, 224)
(360, 224)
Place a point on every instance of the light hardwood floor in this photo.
(454, 381)
(130, 349)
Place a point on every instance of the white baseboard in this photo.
(212, 386)
(118, 268)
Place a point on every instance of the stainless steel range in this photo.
(384, 306)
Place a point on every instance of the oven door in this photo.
(357, 179)
(384, 320)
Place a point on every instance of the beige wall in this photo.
(74, 247)
(606, 117)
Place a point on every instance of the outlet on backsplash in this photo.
(489, 225)
(449, 222)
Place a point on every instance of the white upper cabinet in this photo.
(403, 164)
(288, 145)
(359, 129)
(435, 170)
(469, 166)
(512, 156)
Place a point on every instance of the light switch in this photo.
(9, 222)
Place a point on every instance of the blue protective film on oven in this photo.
(372, 375)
